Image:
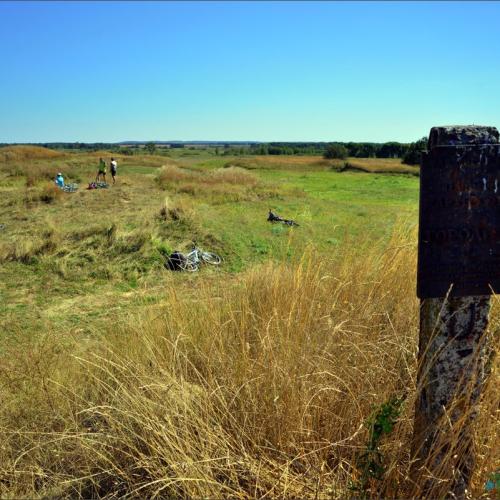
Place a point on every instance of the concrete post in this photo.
(459, 266)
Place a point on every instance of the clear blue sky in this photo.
(269, 71)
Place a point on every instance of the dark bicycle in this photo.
(272, 217)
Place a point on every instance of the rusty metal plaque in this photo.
(459, 227)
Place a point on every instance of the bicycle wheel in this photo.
(189, 266)
(211, 258)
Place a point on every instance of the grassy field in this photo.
(256, 379)
(65, 243)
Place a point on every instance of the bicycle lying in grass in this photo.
(98, 185)
(272, 217)
(191, 261)
(70, 188)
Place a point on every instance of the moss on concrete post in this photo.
(453, 368)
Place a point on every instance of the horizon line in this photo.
(196, 141)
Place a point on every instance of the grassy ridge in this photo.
(10, 154)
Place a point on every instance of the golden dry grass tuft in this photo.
(171, 174)
(233, 175)
(222, 185)
(180, 210)
(252, 387)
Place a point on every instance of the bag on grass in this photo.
(176, 261)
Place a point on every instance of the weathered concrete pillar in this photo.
(459, 267)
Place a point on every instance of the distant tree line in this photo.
(410, 153)
(85, 146)
(327, 149)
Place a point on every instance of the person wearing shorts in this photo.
(113, 165)
(102, 171)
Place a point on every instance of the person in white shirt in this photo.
(113, 166)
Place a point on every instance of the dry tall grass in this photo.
(27, 250)
(181, 210)
(254, 388)
(107, 250)
(219, 186)
(233, 175)
(171, 174)
(10, 154)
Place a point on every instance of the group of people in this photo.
(101, 172)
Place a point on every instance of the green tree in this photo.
(335, 151)
(150, 148)
(414, 153)
(366, 150)
(390, 150)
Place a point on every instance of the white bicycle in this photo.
(192, 260)
(70, 188)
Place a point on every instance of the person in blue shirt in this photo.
(60, 180)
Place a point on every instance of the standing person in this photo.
(102, 170)
(113, 166)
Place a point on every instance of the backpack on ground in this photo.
(176, 261)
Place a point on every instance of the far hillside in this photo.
(20, 153)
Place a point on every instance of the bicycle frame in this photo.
(194, 256)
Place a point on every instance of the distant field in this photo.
(372, 165)
(256, 379)
(377, 165)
